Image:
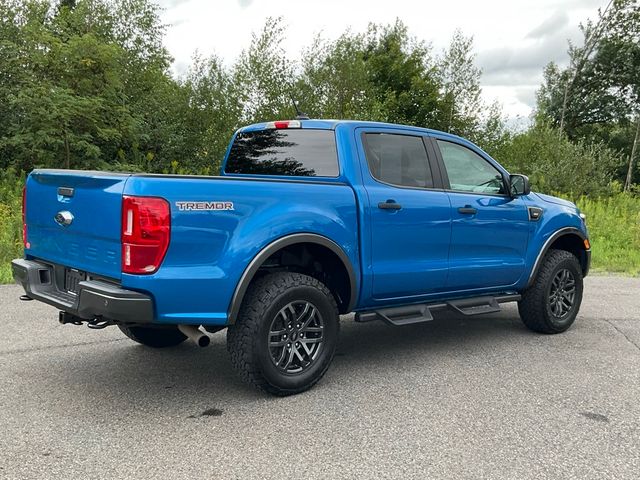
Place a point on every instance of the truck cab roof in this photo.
(331, 124)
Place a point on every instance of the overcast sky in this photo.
(514, 39)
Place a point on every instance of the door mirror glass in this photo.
(519, 185)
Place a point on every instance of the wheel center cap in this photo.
(294, 335)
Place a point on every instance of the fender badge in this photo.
(64, 218)
(206, 206)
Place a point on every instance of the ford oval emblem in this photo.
(64, 218)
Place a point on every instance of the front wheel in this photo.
(552, 303)
(286, 333)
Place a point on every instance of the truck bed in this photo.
(218, 225)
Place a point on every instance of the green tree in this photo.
(263, 75)
(334, 82)
(597, 98)
(460, 78)
(383, 74)
(76, 81)
(403, 75)
(215, 111)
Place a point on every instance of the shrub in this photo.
(10, 221)
(555, 164)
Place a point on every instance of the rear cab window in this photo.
(284, 152)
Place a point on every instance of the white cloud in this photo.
(557, 21)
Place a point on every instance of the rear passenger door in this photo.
(409, 215)
(489, 229)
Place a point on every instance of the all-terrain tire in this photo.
(156, 337)
(536, 306)
(248, 339)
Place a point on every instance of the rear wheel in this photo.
(286, 333)
(156, 337)
(552, 303)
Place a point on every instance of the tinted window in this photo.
(398, 159)
(297, 152)
(468, 171)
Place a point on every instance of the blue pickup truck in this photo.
(308, 220)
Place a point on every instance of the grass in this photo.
(614, 230)
(10, 226)
(614, 227)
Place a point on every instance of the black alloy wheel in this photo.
(296, 337)
(562, 293)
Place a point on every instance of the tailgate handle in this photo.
(66, 191)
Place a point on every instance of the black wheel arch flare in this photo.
(273, 247)
(563, 232)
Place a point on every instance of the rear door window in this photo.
(398, 159)
(287, 152)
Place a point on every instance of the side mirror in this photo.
(519, 185)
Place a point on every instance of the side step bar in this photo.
(422, 312)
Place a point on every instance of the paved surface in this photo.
(459, 397)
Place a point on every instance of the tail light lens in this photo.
(146, 228)
(24, 218)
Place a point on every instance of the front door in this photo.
(409, 215)
(490, 229)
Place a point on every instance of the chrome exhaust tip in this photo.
(194, 333)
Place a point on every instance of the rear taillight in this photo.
(24, 218)
(146, 228)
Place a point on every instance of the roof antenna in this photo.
(299, 115)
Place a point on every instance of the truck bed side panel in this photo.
(210, 249)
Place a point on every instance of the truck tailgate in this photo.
(74, 219)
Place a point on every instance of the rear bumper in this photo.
(95, 298)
